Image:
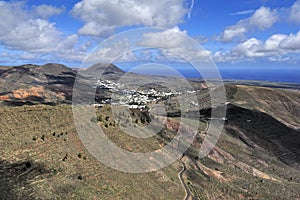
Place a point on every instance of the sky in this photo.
(260, 33)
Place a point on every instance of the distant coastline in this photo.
(291, 76)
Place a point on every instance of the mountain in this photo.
(282, 104)
(30, 84)
(48, 84)
(42, 156)
(105, 69)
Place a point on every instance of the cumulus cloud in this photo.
(249, 48)
(276, 47)
(262, 19)
(173, 43)
(20, 31)
(69, 42)
(291, 42)
(170, 38)
(118, 50)
(233, 32)
(295, 12)
(101, 17)
(19, 57)
(46, 11)
(154, 45)
(33, 35)
(28, 35)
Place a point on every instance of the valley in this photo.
(42, 155)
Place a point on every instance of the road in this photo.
(180, 176)
(188, 193)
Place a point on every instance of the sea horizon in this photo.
(268, 74)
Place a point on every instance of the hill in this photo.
(31, 84)
(47, 84)
(42, 157)
(282, 104)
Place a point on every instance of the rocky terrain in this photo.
(46, 84)
(42, 157)
(31, 84)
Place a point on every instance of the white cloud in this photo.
(30, 37)
(161, 44)
(69, 42)
(170, 38)
(200, 39)
(102, 17)
(295, 12)
(20, 31)
(244, 12)
(46, 11)
(18, 57)
(232, 32)
(34, 35)
(114, 51)
(249, 48)
(226, 56)
(191, 8)
(279, 47)
(291, 42)
(28, 56)
(174, 43)
(262, 19)
(273, 42)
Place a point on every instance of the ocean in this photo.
(269, 74)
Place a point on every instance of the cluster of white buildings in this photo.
(129, 97)
(108, 84)
(137, 99)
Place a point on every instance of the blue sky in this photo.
(260, 33)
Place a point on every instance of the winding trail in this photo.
(180, 176)
(188, 193)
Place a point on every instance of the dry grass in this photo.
(57, 171)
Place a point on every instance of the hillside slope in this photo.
(282, 104)
(46, 84)
(42, 157)
(257, 157)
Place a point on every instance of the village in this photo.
(135, 98)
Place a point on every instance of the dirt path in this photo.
(188, 193)
(180, 176)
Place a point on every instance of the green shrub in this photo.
(65, 158)
(28, 164)
(43, 137)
